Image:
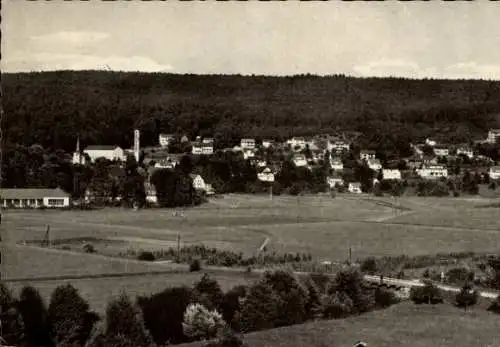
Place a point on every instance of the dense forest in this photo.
(52, 108)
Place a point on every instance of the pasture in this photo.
(323, 226)
(405, 324)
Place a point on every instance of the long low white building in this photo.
(433, 171)
(33, 198)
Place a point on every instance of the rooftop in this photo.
(100, 148)
(32, 193)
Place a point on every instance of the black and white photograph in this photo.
(250, 173)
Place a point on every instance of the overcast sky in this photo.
(434, 39)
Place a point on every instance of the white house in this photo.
(196, 148)
(430, 142)
(108, 152)
(374, 164)
(354, 187)
(336, 164)
(198, 182)
(493, 136)
(300, 160)
(338, 146)
(334, 181)
(417, 150)
(207, 148)
(366, 155)
(465, 151)
(391, 174)
(433, 171)
(248, 154)
(208, 140)
(261, 163)
(165, 139)
(167, 163)
(441, 151)
(266, 175)
(247, 143)
(267, 143)
(150, 192)
(494, 172)
(297, 142)
(33, 198)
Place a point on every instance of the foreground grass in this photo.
(404, 324)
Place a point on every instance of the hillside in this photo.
(51, 108)
(401, 325)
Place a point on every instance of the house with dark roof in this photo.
(33, 198)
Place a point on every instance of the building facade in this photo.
(33, 198)
(107, 152)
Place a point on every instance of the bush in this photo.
(459, 275)
(124, 325)
(208, 293)
(164, 313)
(369, 266)
(321, 280)
(495, 306)
(466, 297)
(314, 307)
(88, 248)
(11, 323)
(293, 296)
(260, 308)
(231, 304)
(350, 282)
(195, 265)
(337, 305)
(69, 316)
(201, 323)
(228, 339)
(34, 316)
(384, 297)
(146, 256)
(428, 294)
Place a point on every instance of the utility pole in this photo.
(178, 247)
(350, 255)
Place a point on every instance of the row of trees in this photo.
(182, 314)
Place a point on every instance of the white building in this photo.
(208, 140)
(207, 148)
(267, 143)
(354, 187)
(247, 144)
(198, 182)
(334, 181)
(441, 151)
(366, 155)
(197, 148)
(297, 142)
(108, 152)
(261, 163)
(165, 139)
(336, 164)
(248, 154)
(300, 160)
(338, 146)
(33, 198)
(494, 172)
(430, 142)
(493, 136)
(374, 164)
(433, 171)
(468, 152)
(390, 174)
(266, 175)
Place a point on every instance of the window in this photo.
(56, 202)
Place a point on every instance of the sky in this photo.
(405, 39)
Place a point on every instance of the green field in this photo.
(323, 226)
(405, 324)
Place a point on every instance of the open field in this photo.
(323, 226)
(405, 324)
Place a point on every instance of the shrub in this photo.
(124, 326)
(495, 306)
(260, 308)
(88, 248)
(293, 296)
(428, 294)
(201, 323)
(146, 256)
(11, 323)
(231, 303)
(466, 297)
(459, 275)
(208, 292)
(313, 306)
(69, 317)
(369, 266)
(34, 316)
(164, 313)
(321, 280)
(384, 297)
(228, 339)
(195, 265)
(350, 282)
(337, 305)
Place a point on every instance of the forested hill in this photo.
(51, 108)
